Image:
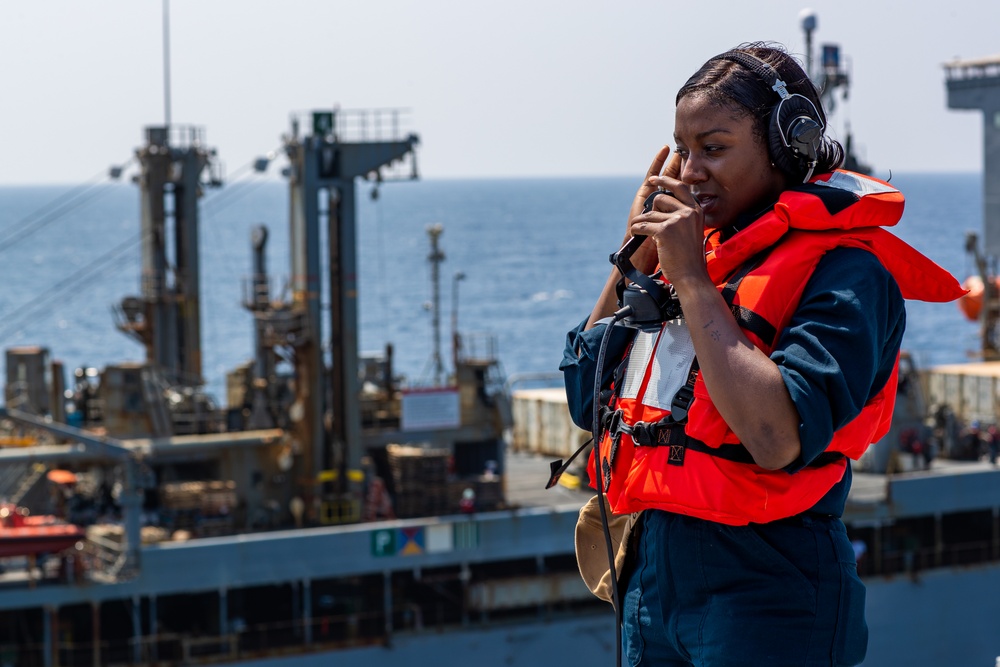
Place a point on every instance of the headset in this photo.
(794, 139)
(796, 132)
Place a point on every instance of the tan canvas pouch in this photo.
(591, 549)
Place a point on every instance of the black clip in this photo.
(613, 422)
(616, 439)
(642, 433)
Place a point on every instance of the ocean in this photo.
(533, 253)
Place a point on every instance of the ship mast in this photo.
(342, 146)
(166, 63)
(975, 84)
(435, 258)
(829, 76)
(166, 317)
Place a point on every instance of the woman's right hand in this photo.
(645, 259)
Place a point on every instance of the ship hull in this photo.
(945, 617)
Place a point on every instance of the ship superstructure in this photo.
(219, 520)
(975, 84)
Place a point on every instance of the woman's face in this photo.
(723, 162)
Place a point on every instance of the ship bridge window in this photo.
(435, 599)
(909, 546)
(21, 631)
(349, 609)
(967, 537)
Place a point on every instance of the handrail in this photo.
(361, 125)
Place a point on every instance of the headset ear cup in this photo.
(781, 156)
(794, 120)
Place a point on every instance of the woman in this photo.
(730, 427)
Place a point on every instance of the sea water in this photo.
(525, 260)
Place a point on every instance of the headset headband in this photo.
(795, 118)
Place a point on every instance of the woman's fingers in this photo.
(673, 169)
(656, 168)
(675, 187)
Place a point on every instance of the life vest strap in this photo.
(669, 433)
(755, 323)
(681, 402)
(746, 318)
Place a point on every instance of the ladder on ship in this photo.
(18, 481)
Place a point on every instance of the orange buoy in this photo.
(971, 303)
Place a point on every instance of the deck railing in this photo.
(913, 561)
(318, 634)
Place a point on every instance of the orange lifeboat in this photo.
(971, 303)
(23, 535)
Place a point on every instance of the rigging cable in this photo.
(599, 478)
(227, 195)
(52, 211)
(236, 192)
(86, 274)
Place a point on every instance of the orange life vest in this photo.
(717, 480)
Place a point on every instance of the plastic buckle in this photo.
(643, 433)
(613, 423)
(680, 404)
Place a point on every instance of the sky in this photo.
(519, 88)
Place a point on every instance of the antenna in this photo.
(166, 64)
(435, 258)
(808, 20)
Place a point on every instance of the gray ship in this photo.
(326, 511)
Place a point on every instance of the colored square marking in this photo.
(384, 542)
(411, 541)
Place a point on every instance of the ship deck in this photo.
(527, 474)
(523, 553)
(538, 522)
